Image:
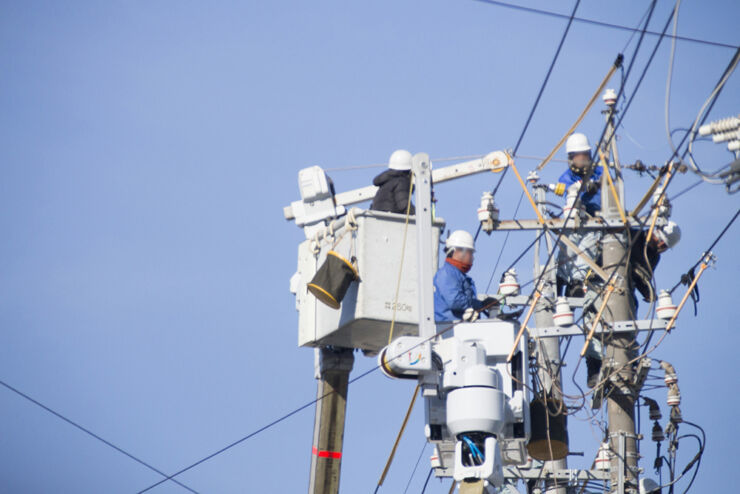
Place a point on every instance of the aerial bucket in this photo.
(556, 421)
(331, 281)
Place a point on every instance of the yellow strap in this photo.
(657, 205)
(672, 321)
(524, 324)
(609, 291)
(605, 169)
(403, 254)
(646, 197)
(529, 196)
(580, 117)
(590, 262)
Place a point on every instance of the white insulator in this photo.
(723, 125)
(674, 396)
(487, 210)
(733, 145)
(648, 486)
(509, 286)
(563, 313)
(666, 308)
(435, 459)
(609, 97)
(478, 406)
(726, 136)
(603, 457)
(670, 378)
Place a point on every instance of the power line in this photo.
(287, 415)
(416, 466)
(539, 95)
(713, 244)
(90, 433)
(602, 23)
(623, 112)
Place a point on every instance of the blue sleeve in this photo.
(568, 178)
(455, 292)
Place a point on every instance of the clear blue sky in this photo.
(147, 150)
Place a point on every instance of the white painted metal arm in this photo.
(495, 161)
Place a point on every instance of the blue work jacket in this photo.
(592, 202)
(454, 291)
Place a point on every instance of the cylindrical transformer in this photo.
(478, 406)
(549, 440)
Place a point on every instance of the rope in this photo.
(617, 63)
(398, 437)
(542, 89)
(403, 255)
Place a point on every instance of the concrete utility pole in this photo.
(335, 365)
(621, 347)
(548, 349)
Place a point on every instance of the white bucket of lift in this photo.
(509, 285)
(603, 457)
(563, 313)
(666, 308)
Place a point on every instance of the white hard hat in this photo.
(459, 239)
(670, 234)
(400, 160)
(577, 143)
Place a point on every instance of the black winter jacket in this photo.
(393, 194)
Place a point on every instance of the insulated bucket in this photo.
(331, 281)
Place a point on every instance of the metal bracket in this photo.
(567, 475)
(619, 327)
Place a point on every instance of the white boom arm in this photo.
(495, 162)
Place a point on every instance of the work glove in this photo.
(470, 315)
(592, 187)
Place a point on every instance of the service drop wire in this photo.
(286, 416)
(534, 108)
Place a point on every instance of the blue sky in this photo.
(147, 150)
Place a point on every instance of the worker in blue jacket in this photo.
(454, 291)
(581, 173)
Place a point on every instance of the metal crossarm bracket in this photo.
(619, 327)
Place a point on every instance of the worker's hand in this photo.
(592, 187)
(470, 315)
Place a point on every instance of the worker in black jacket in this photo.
(394, 185)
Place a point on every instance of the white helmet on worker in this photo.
(668, 235)
(577, 143)
(459, 239)
(400, 160)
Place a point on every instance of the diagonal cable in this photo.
(90, 433)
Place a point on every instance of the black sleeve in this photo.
(401, 196)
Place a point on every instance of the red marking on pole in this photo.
(326, 454)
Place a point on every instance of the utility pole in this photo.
(335, 365)
(548, 349)
(621, 346)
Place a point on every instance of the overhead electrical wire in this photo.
(91, 433)
(537, 99)
(600, 23)
(287, 415)
(571, 18)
